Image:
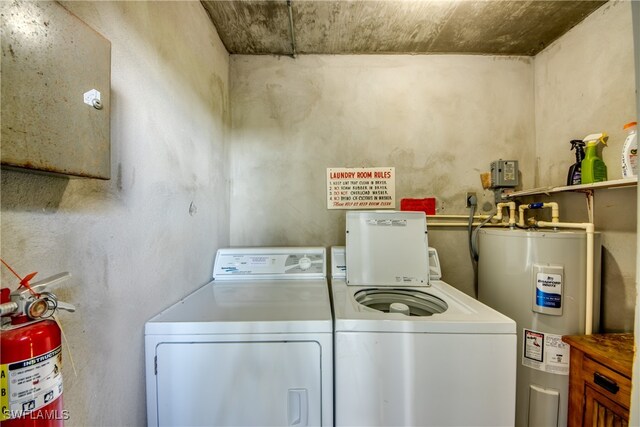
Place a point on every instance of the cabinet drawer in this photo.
(608, 382)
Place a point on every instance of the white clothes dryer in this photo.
(411, 350)
(251, 348)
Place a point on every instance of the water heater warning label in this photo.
(545, 352)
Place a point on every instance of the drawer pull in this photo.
(606, 383)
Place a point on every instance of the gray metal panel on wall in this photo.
(50, 59)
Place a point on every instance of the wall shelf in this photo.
(588, 189)
(615, 183)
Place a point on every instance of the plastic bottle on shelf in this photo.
(593, 167)
(575, 171)
(630, 151)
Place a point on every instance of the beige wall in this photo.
(634, 417)
(131, 244)
(439, 120)
(146, 238)
(585, 83)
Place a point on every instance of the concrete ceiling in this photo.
(497, 27)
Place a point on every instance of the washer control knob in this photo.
(398, 307)
(304, 263)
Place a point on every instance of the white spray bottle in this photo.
(630, 151)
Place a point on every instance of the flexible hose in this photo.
(473, 235)
(474, 261)
(474, 244)
(472, 210)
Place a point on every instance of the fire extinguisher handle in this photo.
(66, 306)
(49, 282)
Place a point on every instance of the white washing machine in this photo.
(252, 347)
(410, 350)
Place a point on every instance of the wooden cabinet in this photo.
(600, 379)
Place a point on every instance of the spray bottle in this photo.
(593, 167)
(630, 151)
(575, 177)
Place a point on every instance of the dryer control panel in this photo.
(270, 263)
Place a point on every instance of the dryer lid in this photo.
(249, 307)
(387, 248)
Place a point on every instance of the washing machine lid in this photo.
(387, 248)
(339, 264)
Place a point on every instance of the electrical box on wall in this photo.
(504, 173)
(55, 84)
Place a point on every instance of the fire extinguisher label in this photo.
(30, 384)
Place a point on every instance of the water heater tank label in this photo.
(545, 352)
(549, 290)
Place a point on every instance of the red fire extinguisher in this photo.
(31, 356)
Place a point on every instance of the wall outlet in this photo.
(468, 200)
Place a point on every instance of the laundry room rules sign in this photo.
(361, 188)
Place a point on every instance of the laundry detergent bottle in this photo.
(630, 151)
(593, 167)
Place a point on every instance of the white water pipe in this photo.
(456, 216)
(589, 228)
(462, 224)
(555, 215)
(521, 210)
(512, 212)
(447, 220)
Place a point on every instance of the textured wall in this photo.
(141, 241)
(585, 83)
(522, 27)
(148, 237)
(634, 418)
(439, 120)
